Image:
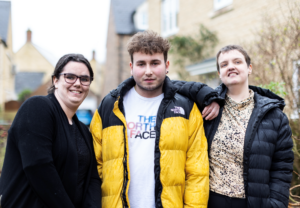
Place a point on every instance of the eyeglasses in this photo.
(72, 78)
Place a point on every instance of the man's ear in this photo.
(167, 65)
(131, 67)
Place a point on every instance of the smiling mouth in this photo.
(233, 73)
(75, 91)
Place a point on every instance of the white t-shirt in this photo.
(140, 114)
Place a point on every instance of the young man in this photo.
(149, 141)
(249, 143)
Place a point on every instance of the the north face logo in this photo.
(178, 110)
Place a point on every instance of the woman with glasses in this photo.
(49, 159)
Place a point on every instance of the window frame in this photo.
(141, 17)
(220, 4)
(169, 17)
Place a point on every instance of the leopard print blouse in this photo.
(227, 148)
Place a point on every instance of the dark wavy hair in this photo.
(62, 62)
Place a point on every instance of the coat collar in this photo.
(58, 106)
(262, 96)
(169, 88)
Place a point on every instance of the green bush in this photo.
(276, 87)
(22, 96)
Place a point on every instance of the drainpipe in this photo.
(120, 50)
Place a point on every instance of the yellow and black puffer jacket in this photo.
(181, 159)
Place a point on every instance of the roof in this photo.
(123, 15)
(4, 19)
(42, 89)
(47, 55)
(203, 67)
(28, 80)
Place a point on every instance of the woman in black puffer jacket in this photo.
(249, 143)
(268, 158)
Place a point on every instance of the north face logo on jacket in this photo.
(178, 110)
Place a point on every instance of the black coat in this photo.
(41, 166)
(268, 156)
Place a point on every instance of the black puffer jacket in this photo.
(268, 156)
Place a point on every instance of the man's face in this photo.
(149, 72)
(233, 68)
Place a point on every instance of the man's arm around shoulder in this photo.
(207, 99)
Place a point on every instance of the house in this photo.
(7, 62)
(92, 100)
(234, 22)
(34, 64)
(97, 84)
(125, 19)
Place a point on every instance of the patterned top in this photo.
(227, 148)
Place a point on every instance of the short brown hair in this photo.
(148, 42)
(233, 47)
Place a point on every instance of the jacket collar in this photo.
(58, 106)
(262, 96)
(169, 88)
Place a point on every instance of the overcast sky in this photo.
(62, 26)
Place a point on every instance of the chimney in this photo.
(28, 36)
(94, 55)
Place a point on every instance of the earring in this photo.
(167, 72)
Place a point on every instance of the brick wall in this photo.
(117, 58)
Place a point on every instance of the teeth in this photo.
(76, 92)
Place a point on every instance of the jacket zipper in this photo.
(125, 172)
(157, 204)
(248, 153)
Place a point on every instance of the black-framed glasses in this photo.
(72, 78)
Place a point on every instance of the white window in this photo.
(219, 4)
(141, 17)
(169, 14)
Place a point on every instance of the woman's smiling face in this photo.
(72, 95)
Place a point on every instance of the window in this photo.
(169, 14)
(141, 17)
(219, 4)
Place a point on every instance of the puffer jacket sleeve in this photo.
(282, 166)
(197, 168)
(198, 92)
(96, 130)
